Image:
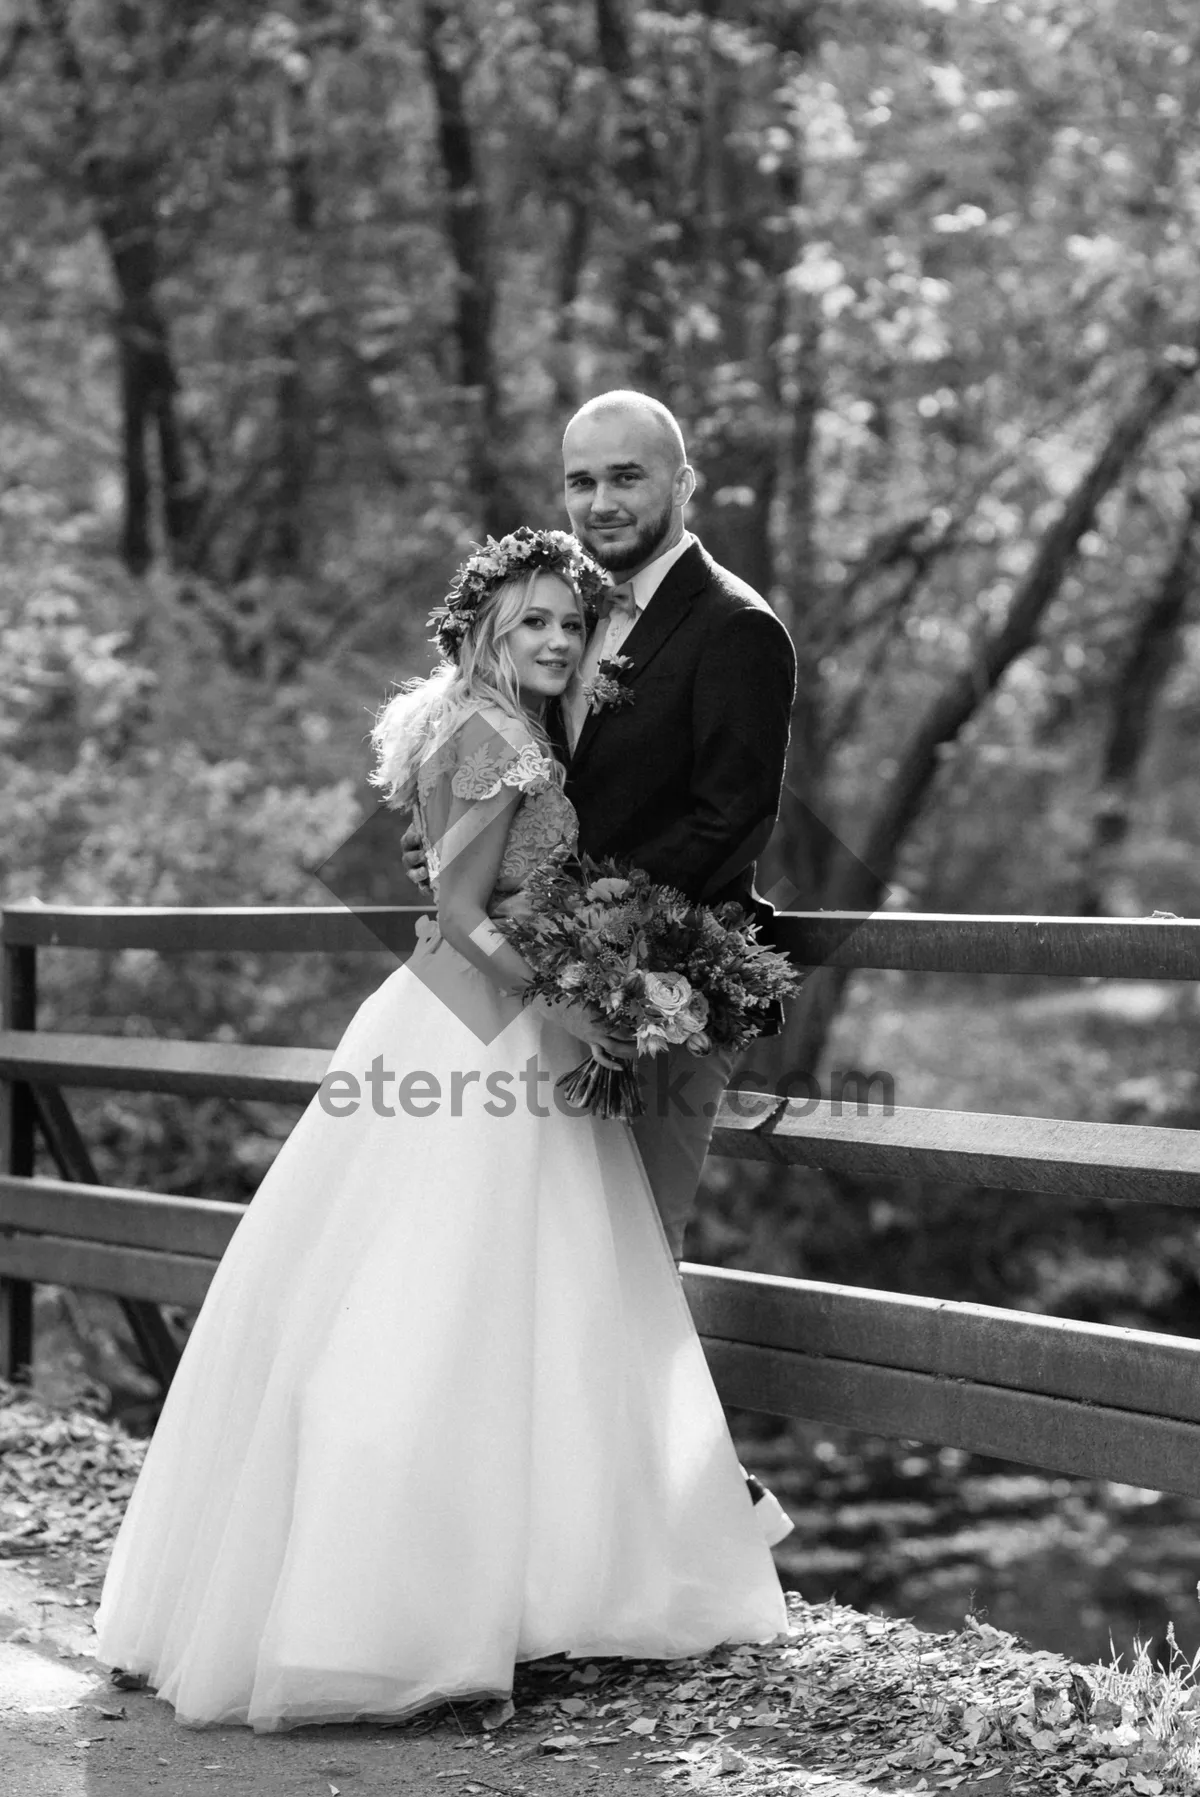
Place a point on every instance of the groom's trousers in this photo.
(682, 1092)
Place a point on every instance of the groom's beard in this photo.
(632, 555)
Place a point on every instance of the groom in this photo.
(684, 778)
(682, 775)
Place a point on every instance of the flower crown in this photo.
(521, 552)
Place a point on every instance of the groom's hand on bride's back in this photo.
(413, 856)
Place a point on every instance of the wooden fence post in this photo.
(18, 1011)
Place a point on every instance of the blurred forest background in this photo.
(296, 300)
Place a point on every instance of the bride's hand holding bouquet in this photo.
(658, 970)
(578, 1019)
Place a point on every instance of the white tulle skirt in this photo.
(444, 1408)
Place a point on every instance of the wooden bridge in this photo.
(1079, 1398)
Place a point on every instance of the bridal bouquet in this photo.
(661, 970)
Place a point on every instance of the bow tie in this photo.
(619, 599)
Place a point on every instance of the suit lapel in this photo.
(663, 615)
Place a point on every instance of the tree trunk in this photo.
(137, 545)
(285, 546)
(572, 257)
(794, 873)
(123, 203)
(470, 245)
(612, 38)
(1135, 695)
(148, 388)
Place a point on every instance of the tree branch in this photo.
(1136, 692)
(856, 881)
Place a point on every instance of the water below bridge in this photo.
(1067, 1564)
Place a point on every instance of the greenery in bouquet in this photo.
(661, 970)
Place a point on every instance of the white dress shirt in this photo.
(611, 632)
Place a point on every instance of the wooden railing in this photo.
(1081, 1398)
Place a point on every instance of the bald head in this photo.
(649, 417)
(626, 480)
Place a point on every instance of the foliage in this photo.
(899, 268)
(871, 1697)
(298, 299)
(65, 1479)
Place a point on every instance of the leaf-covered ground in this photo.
(65, 1478)
(872, 1699)
(846, 1701)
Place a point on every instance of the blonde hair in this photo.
(425, 712)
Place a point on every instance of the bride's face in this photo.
(547, 641)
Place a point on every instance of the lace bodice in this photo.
(470, 777)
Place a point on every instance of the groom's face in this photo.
(623, 494)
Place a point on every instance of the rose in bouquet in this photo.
(660, 970)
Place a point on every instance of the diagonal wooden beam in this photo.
(155, 1343)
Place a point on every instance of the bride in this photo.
(444, 1408)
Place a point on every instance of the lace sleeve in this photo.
(485, 770)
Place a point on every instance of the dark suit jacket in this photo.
(685, 781)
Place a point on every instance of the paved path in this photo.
(65, 1732)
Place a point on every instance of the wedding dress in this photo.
(444, 1408)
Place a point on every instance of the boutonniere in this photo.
(611, 684)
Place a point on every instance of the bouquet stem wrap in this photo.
(605, 1091)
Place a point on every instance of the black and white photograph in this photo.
(599, 898)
